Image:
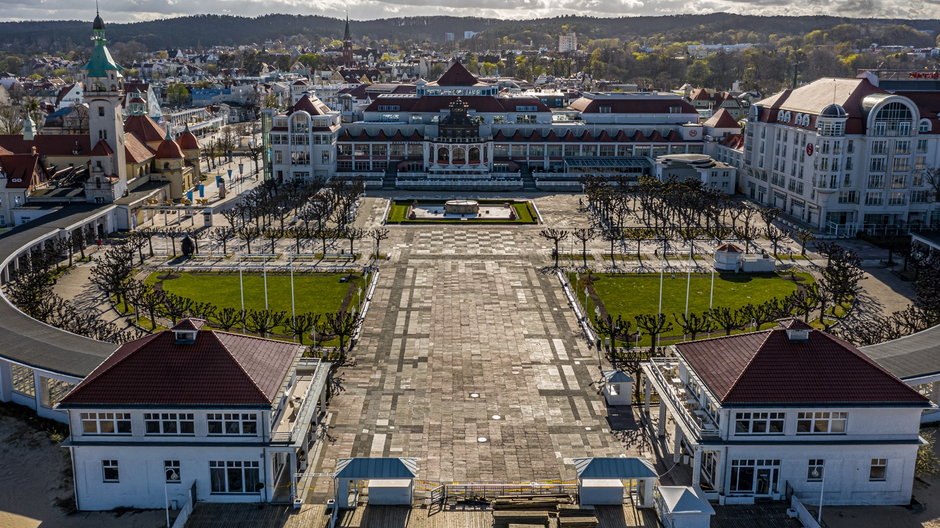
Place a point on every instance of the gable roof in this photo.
(456, 75)
(311, 106)
(134, 150)
(21, 170)
(376, 468)
(722, 119)
(102, 149)
(145, 128)
(685, 499)
(614, 468)
(767, 368)
(219, 368)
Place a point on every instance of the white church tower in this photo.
(104, 90)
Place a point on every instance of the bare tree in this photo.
(804, 236)
(584, 235)
(229, 318)
(693, 324)
(378, 235)
(654, 325)
(727, 318)
(556, 236)
(342, 325)
(352, 234)
(262, 322)
(301, 325)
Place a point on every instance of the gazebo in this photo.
(728, 257)
(602, 481)
(390, 481)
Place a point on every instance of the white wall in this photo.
(846, 471)
(142, 475)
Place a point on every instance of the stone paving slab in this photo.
(456, 349)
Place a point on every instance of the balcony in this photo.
(681, 399)
(302, 404)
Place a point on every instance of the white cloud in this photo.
(136, 10)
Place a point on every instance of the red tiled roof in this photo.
(815, 96)
(219, 368)
(48, 144)
(191, 323)
(456, 75)
(102, 149)
(168, 149)
(722, 119)
(700, 94)
(145, 128)
(637, 105)
(728, 248)
(734, 141)
(21, 170)
(308, 105)
(187, 140)
(436, 103)
(134, 150)
(767, 368)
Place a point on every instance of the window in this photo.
(902, 147)
(234, 476)
(876, 181)
(814, 470)
(921, 145)
(233, 424)
(821, 422)
(759, 423)
(106, 423)
(873, 198)
(879, 147)
(169, 423)
(109, 471)
(100, 111)
(877, 164)
(23, 381)
(171, 468)
(896, 198)
(901, 164)
(879, 470)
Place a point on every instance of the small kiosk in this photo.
(618, 387)
(683, 507)
(606, 481)
(388, 481)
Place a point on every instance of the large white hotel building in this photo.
(846, 155)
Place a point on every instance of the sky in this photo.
(137, 10)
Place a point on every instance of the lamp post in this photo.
(821, 475)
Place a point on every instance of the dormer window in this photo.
(798, 335)
(185, 337)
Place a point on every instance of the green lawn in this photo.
(313, 292)
(629, 295)
(525, 213)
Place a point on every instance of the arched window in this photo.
(925, 126)
(459, 155)
(894, 119)
(474, 155)
(442, 155)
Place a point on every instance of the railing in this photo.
(493, 490)
(308, 406)
(187, 508)
(656, 366)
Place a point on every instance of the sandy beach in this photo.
(35, 477)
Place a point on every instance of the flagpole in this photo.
(241, 288)
(688, 284)
(711, 296)
(660, 292)
(293, 312)
(264, 274)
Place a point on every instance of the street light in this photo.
(818, 473)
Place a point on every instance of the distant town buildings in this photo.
(567, 43)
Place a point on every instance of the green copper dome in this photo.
(101, 60)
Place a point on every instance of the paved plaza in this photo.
(470, 361)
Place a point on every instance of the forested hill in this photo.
(208, 30)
